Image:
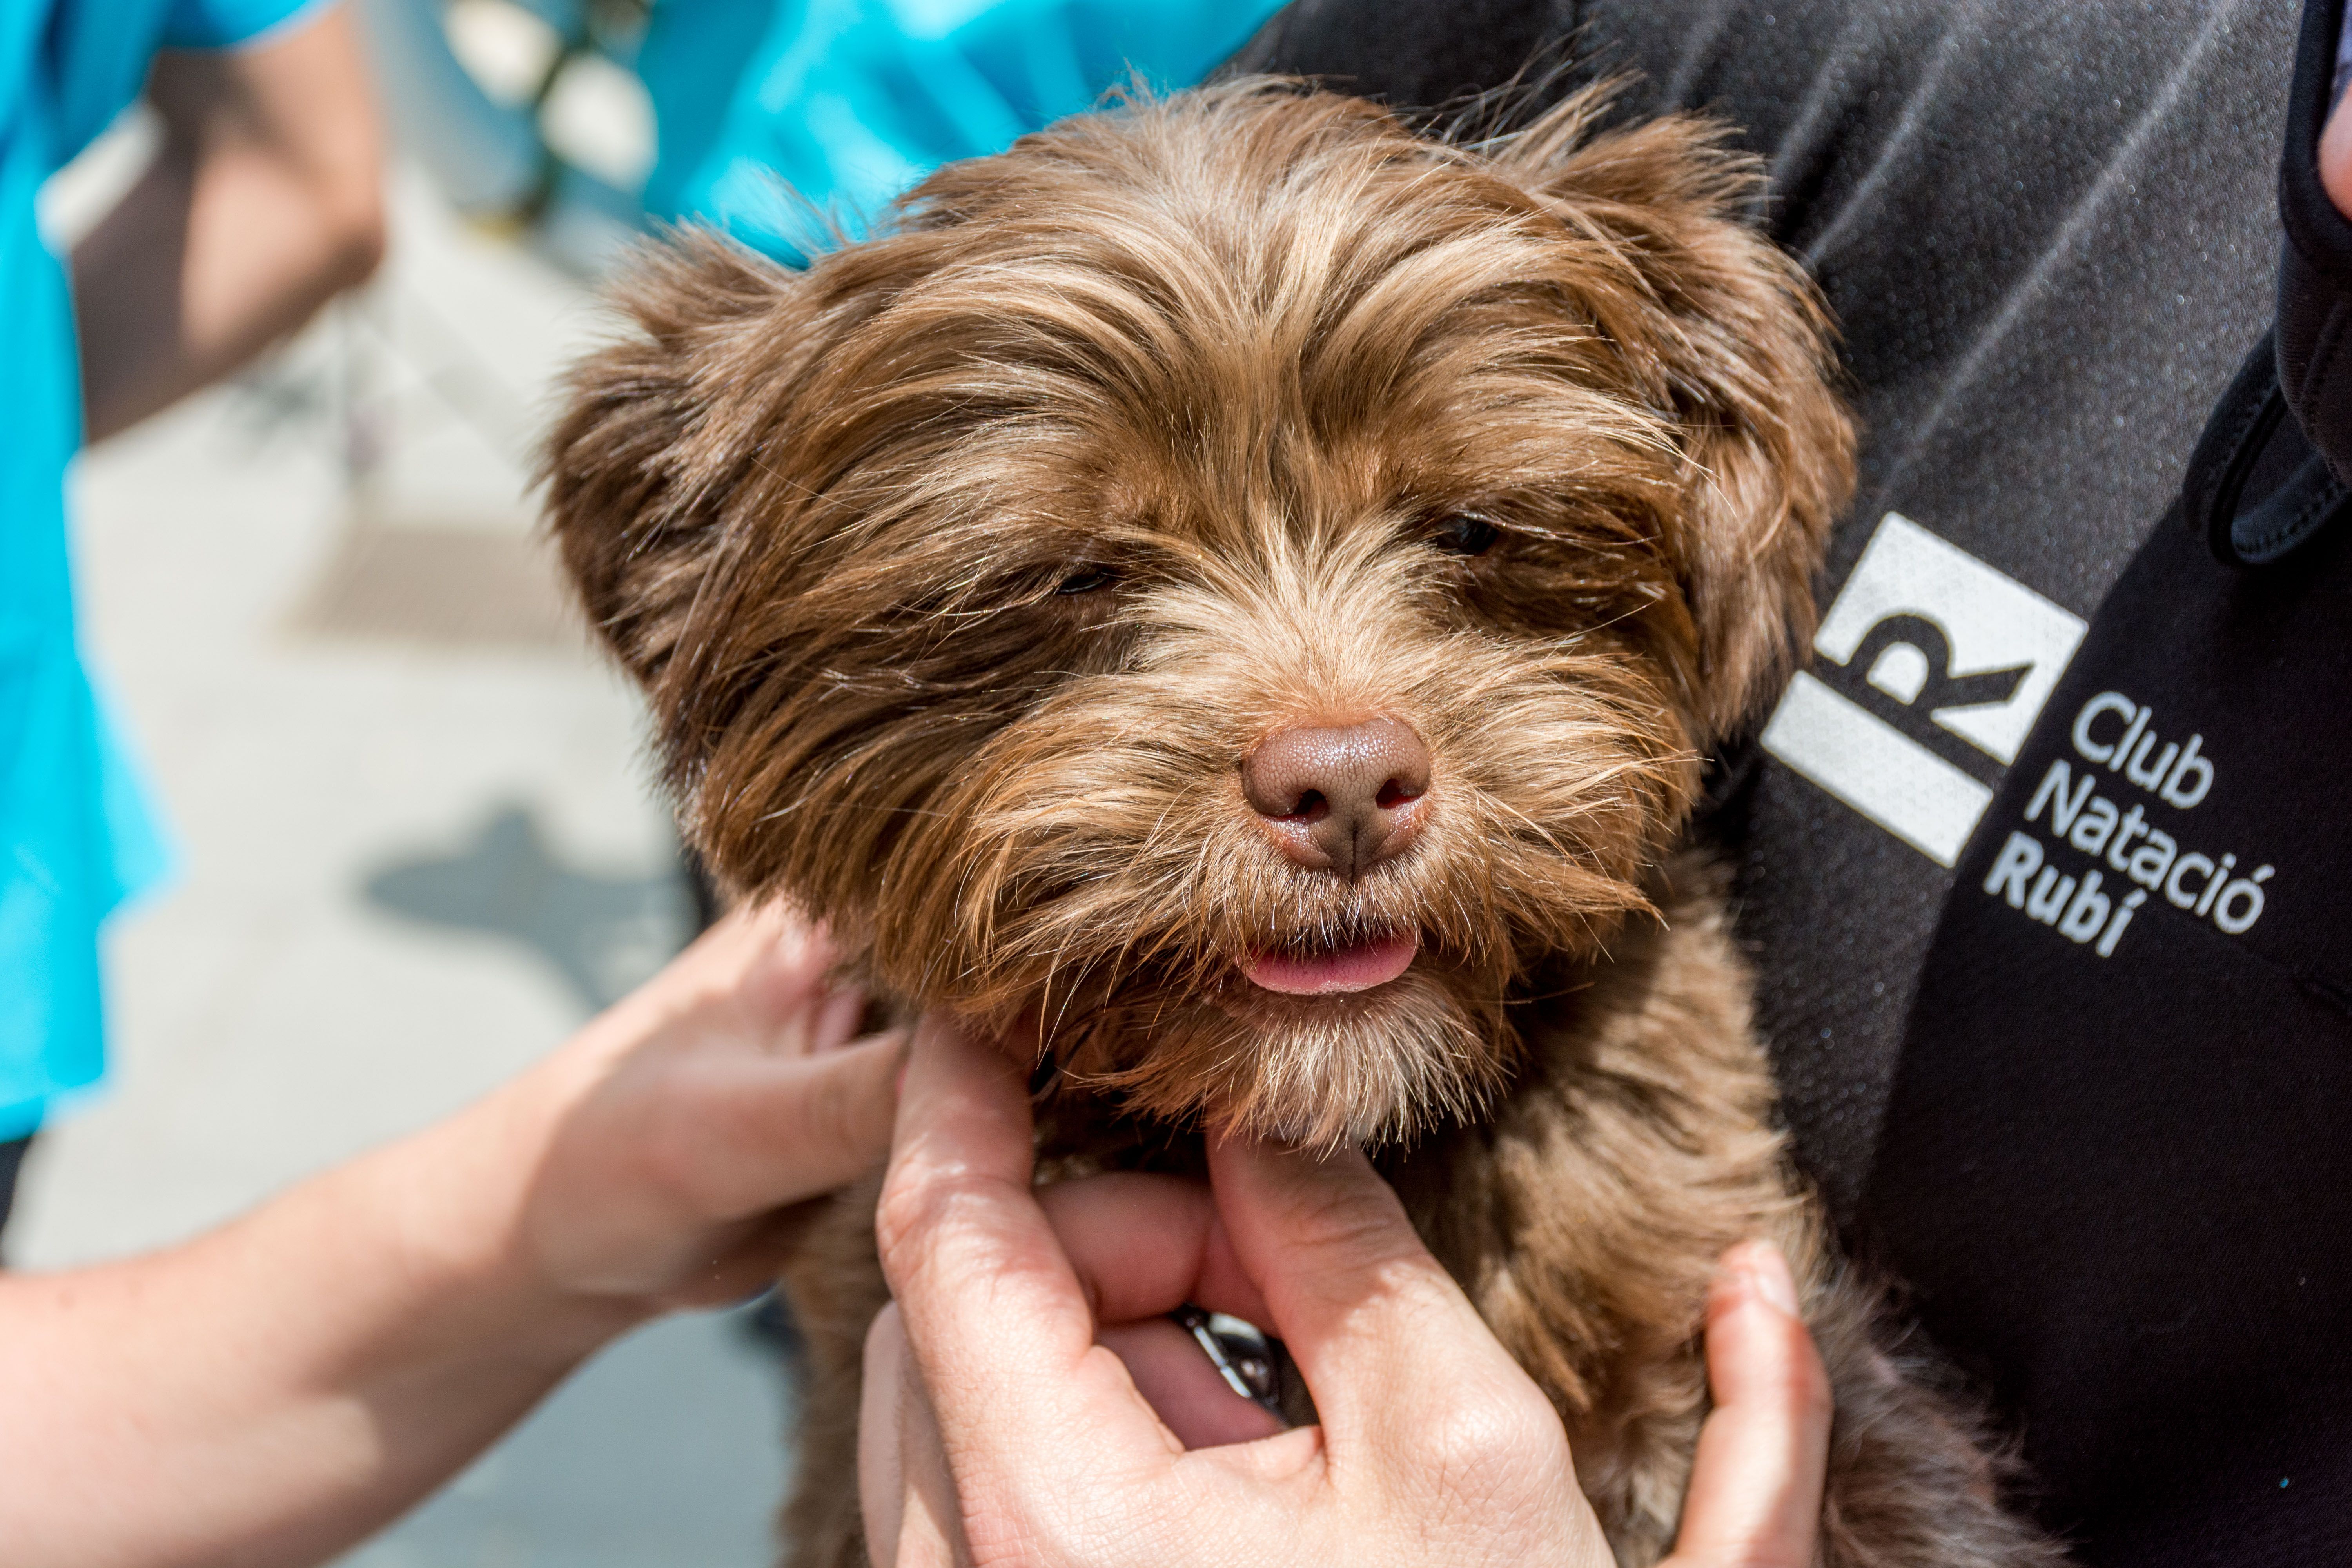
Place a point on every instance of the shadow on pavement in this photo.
(602, 934)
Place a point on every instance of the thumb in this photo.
(805, 1125)
(1391, 1348)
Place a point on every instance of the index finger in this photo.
(997, 1318)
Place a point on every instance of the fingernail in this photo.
(1767, 1273)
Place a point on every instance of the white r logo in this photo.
(1959, 661)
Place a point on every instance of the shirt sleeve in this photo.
(225, 24)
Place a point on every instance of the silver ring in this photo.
(1242, 1354)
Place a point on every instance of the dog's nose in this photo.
(1339, 798)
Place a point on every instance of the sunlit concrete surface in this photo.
(418, 848)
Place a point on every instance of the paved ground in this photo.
(418, 850)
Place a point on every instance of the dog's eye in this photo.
(1464, 533)
(1086, 580)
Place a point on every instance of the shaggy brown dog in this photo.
(1238, 591)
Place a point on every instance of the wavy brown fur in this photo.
(1231, 360)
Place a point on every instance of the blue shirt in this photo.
(767, 108)
(75, 839)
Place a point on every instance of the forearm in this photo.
(276, 1390)
(269, 1394)
(263, 202)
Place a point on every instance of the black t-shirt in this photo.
(2117, 1169)
(2092, 1115)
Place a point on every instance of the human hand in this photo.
(343, 1349)
(998, 1427)
(674, 1136)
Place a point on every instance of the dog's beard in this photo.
(1160, 1012)
(1132, 972)
(1366, 1067)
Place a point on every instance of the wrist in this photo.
(459, 1198)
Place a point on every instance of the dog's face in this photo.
(1229, 584)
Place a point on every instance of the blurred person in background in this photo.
(262, 202)
(776, 118)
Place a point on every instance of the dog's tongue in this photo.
(1359, 967)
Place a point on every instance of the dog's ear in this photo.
(656, 431)
(1728, 337)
